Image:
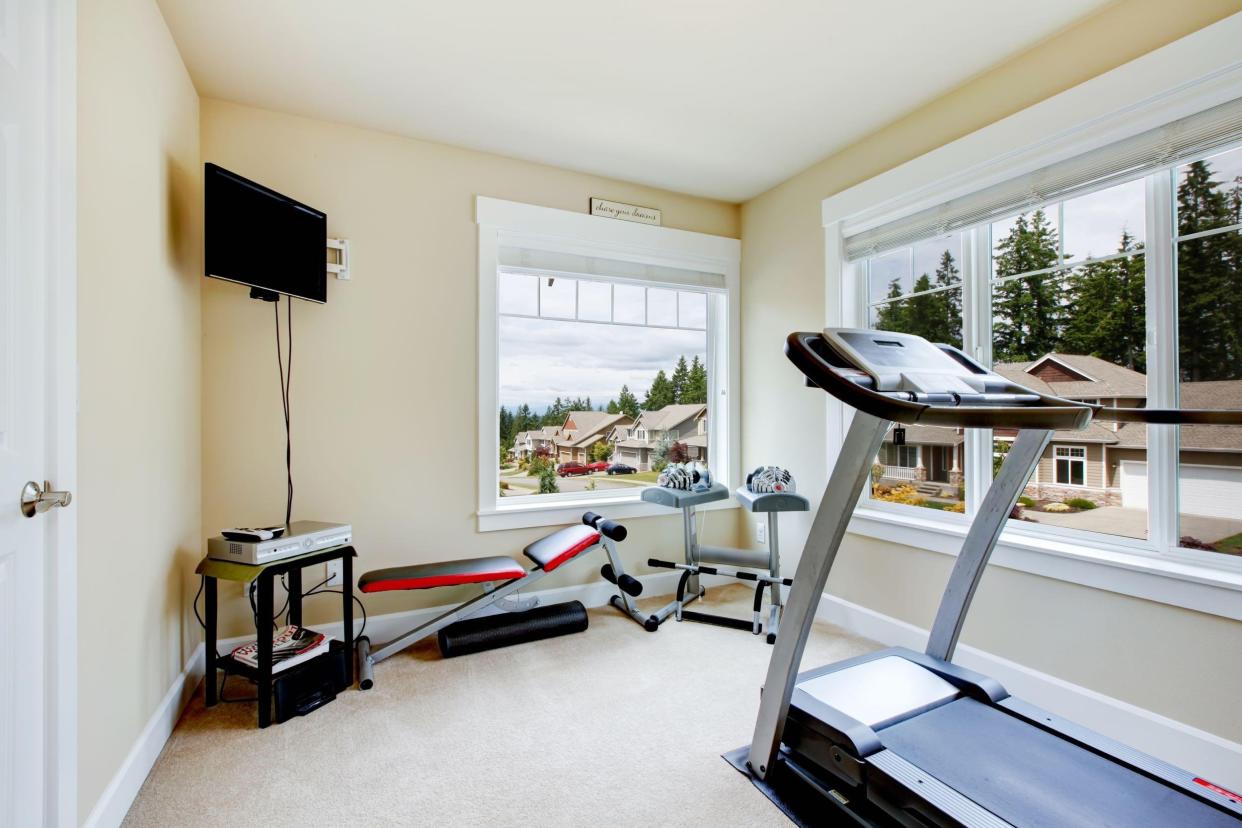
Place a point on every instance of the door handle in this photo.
(36, 500)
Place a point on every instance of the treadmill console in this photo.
(902, 362)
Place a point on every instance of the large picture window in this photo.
(607, 350)
(1058, 296)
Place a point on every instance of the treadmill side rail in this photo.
(845, 485)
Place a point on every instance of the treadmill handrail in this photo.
(1045, 412)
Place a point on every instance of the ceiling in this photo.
(722, 99)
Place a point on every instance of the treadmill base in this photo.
(800, 800)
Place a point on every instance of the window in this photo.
(1071, 465)
(1208, 206)
(918, 290)
(1060, 296)
(605, 341)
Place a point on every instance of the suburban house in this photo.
(1106, 462)
(582, 430)
(526, 443)
(635, 444)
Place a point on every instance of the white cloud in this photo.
(542, 359)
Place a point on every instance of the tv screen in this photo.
(258, 237)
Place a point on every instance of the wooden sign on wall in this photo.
(625, 212)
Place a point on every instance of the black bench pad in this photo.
(442, 573)
(561, 546)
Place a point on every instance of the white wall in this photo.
(139, 254)
(1169, 660)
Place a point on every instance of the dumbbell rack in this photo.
(700, 557)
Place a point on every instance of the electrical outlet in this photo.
(332, 571)
(761, 529)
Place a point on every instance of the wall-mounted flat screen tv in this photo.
(256, 236)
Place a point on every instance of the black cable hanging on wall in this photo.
(286, 379)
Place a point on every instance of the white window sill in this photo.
(563, 511)
(1073, 557)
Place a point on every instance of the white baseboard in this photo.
(1208, 755)
(116, 799)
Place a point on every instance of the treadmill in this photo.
(899, 737)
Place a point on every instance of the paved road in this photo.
(525, 484)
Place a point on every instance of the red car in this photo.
(567, 469)
(598, 467)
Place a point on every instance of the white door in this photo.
(28, 130)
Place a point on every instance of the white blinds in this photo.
(572, 264)
(1136, 156)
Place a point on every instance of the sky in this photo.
(541, 359)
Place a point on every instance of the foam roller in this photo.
(474, 635)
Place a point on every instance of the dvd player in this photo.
(302, 537)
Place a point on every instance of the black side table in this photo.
(213, 570)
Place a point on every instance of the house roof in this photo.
(665, 418)
(1106, 379)
(696, 440)
(634, 444)
(930, 436)
(1216, 394)
(590, 425)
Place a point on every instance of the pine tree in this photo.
(613, 408)
(696, 386)
(892, 315)
(660, 394)
(680, 380)
(1027, 311)
(1109, 318)
(1209, 307)
(628, 403)
(506, 429)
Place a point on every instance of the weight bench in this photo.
(499, 576)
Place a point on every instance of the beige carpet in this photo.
(613, 725)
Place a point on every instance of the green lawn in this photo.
(1231, 545)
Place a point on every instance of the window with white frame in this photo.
(1071, 465)
(1122, 287)
(593, 327)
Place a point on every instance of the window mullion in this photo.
(977, 341)
(1161, 294)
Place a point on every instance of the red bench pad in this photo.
(561, 546)
(442, 573)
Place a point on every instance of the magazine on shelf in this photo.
(291, 645)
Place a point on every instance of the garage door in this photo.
(1209, 491)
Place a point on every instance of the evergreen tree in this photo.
(660, 394)
(892, 315)
(506, 429)
(696, 385)
(1208, 287)
(628, 403)
(1109, 318)
(1027, 311)
(936, 317)
(680, 380)
(613, 408)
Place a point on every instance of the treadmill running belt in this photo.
(1033, 778)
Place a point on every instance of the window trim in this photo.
(1187, 76)
(566, 231)
(1071, 459)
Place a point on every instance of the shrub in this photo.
(1026, 501)
(877, 471)
(504, 484)
(547, 479)
(1187, 542)
(906, 494)
(1080, 503)
(659, 464)
(958, 508)
(1056, 507)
